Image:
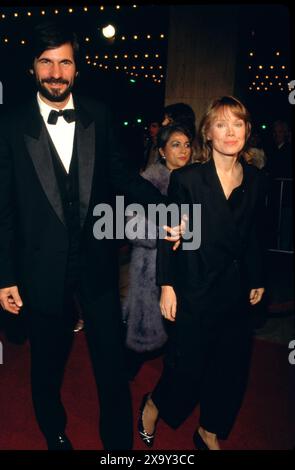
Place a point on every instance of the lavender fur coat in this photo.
(141, 311)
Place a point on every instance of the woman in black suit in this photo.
(207, 292)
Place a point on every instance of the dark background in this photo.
(263, 28)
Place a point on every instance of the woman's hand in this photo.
(256, 295)
(10, 299)
(176, 232)
(168, 303)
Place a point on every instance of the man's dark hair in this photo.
(183, 114)
(179, 112)
(50, 35)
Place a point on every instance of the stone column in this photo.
(202, 47)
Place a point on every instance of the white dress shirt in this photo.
(61, 133)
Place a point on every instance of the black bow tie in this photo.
(68, 114)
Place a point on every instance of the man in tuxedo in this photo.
(58, 159)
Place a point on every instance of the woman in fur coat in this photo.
(141, 311)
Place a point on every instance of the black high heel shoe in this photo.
(147, 439)
(198, 441)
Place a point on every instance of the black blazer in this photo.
(229, 261)
(33, 236)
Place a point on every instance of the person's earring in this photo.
(31, 71)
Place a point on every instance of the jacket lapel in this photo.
(37, 144)
(85, 133)
(36, 141)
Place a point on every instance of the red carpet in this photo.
(266, 420)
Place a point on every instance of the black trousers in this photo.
(51, 340)
(207, 363)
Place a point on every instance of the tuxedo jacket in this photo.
(34, 241)
(220, 273)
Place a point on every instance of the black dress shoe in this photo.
(59, 442)
(198, 441)
(147, 439)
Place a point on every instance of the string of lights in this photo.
(140, 71)
(70, 10)
(268, 77)
(125, 56)
(135, 37)
(131, 70)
